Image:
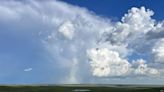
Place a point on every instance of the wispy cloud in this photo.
(28, 69)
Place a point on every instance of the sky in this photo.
(117, 8)
(81, 41)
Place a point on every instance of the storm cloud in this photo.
(83, 46)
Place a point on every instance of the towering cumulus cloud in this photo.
(107, 63)
(84, 46)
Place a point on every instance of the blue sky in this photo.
(117, 8)
(80, 41)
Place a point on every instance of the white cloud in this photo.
(143, 69)
(139, 20)
(67, 29)
(132, 30)
(158, 51)
(107, 63)
(70, 32)
(28, 69)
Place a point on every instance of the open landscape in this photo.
(81, 88)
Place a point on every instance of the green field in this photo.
(81, 88)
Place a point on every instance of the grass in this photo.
(66, 88)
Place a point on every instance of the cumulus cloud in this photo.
(83, 45)
(107, 63)
(158, 51)
(143, 69)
